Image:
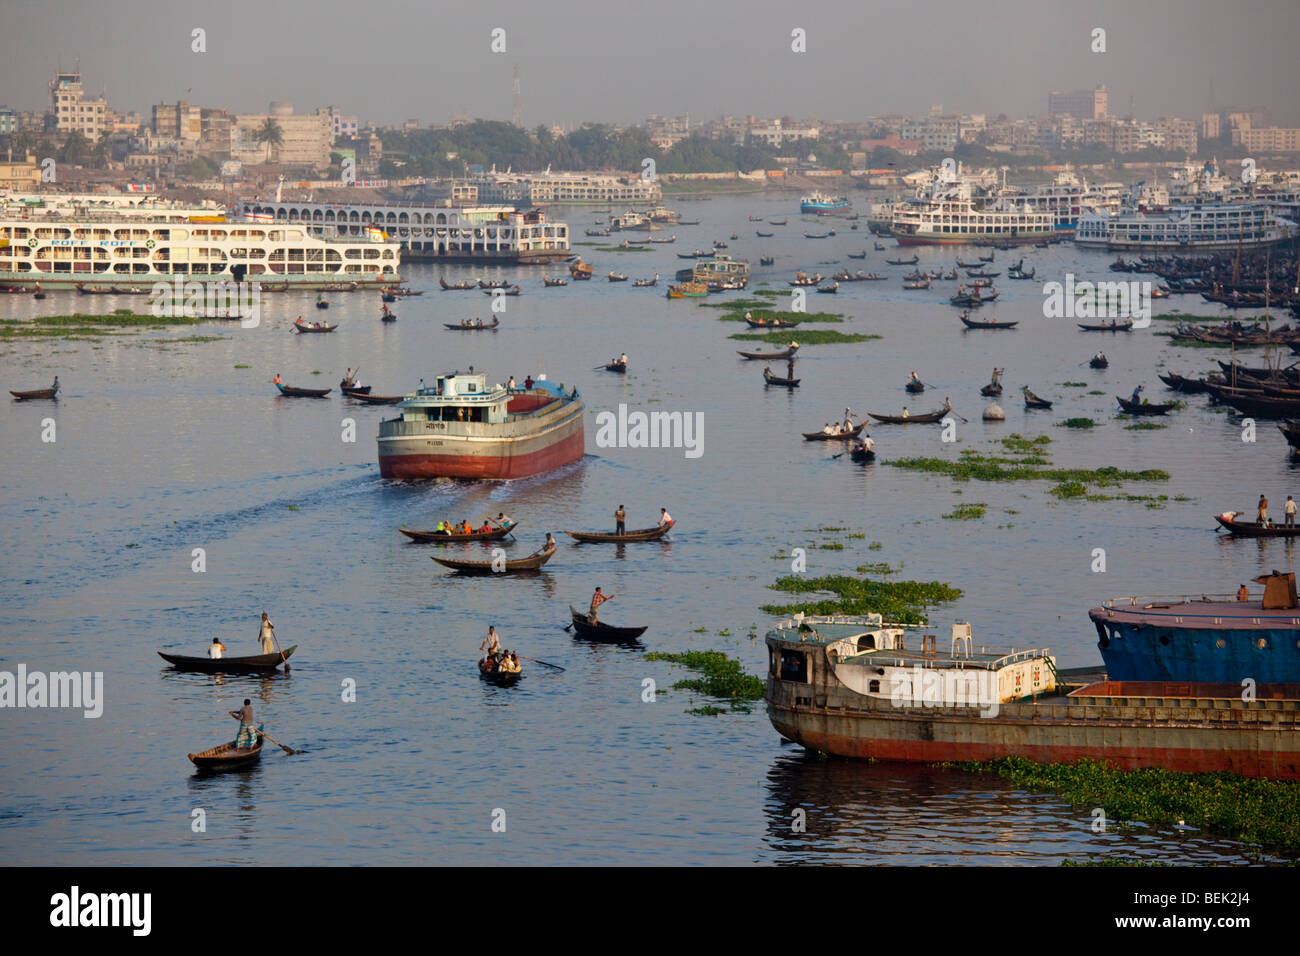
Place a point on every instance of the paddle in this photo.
(283, 659)
(287, 750)
(536, 661)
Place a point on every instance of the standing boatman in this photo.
(620, 516)
(247, 736)
(491, 643)
(266, 634)
(597, 600)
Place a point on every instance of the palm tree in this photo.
(269, 134)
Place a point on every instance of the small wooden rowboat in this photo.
(290, 392)
(502, 290)
(914, 387)
(488, 670)
(442, 537)
(530, 564)
(861, 453)
(788, 353)
(771, 379)
(255, 664)
(839, 436)
(992, 388)
(1143, 408)
(927, 419)
(303, 327)
(583, 628)
(904, 262)
(1126, 326)
(486, 327)
(1033, 401)
(454, 286)
(615, 366)
(605, 537)
(1100, 361)
(354, 391)
(377, 399)
(976, 324)
(773, 323)
(228, 756)
(1181, 383)
(1251, 529)
(34, 393)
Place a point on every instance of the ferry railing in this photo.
(1143, 600)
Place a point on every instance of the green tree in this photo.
(270, 135)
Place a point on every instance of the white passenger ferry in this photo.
(1201, 227)
(125, 240)
(1067, 198)
(948, 214)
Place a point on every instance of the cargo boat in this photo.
(1203, 638)
(464, 428)
(823, 205)
(850, 686)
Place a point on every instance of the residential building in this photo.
(73, 112)
(1082, 104)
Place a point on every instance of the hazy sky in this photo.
(618, 61)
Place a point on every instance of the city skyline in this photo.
(1165, 59)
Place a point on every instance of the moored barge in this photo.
(850, 687)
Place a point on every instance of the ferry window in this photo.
(794, 666)
(873, 687)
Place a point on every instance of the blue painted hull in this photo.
(1143, 652)
(829, 206)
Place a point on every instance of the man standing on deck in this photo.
(1289, 509)
(247, 736)
(1137, 395)
(266, 634)
(597, 600)
(491, 643)
(620, 516)
(1261, 514)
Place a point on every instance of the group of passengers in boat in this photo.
(464, 527)
(498, 660)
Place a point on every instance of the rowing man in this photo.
(215, 649)
(247, 736)
(665, 518)
(597, 600)
(491, 643)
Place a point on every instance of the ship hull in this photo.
(824, 209)
(1149, 649)
(487, 452)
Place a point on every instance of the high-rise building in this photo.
(72, 111)
(1209, 126)
(1081, 104)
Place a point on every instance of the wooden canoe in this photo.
(442, 537)
(928, 418)
(454, 287)
(863, 454)
(255, 664)
(1251, 529)
(839, 436)
(1143, 408)
(489, 673)
(354, 391)
(771, 379)
(530, 564)
(583, 628)
(34, 393)
(1037, 402)
(772, 323)
(788, 353)
(228, 756)
(292, 392)
(615, 366)
(304, 328)
(976, 324)
(493, 325)
(991, 389)
(378, 399)
(1180, 383)
(904, 262)
(602, 537)
(1118, 327)
(916, 388)
(1096, 362)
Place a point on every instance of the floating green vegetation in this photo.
(1074, 384)
(1029, 465)
(723, 678)
(831, 546)
(967, 512)
(824, 528)
(805, 337)
(1079, 423)
(77, 326)
(243, 366)
(1096, 391)
(875, 546)
(1255, 811)
(877, 567)
(855, 535)
(700, 630)
(771, 293)
(708, 710)
(897, 600)
(732, 305)
(1144, 427)
(769, 313)
(1112, 861)
(1077, 489)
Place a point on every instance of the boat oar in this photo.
(536, 661)
(283, 659)
(290, 751)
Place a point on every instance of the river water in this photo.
(165, 446)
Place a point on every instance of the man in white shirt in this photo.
(1289, 509)
(664, 517)
(215, 649)
(491, 643)
(622, 359)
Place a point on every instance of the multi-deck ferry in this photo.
(462, 427)
(822, 205)
(1201, 227)
(717, 273)
(947, 214)
(62, 241)
(1067, 198)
